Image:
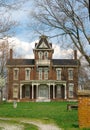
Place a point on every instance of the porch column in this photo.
(32, 91)
(53, 91)
(49, 90)
(65, 92)
(37, 91)
(21, 91)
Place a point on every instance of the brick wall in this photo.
(84, 109)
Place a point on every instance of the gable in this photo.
(43, 43)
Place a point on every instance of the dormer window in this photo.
(45, 55)
(40, 55)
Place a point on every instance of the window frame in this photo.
(70, 73)
(70, 90)
(27, 77)
(40, 73)
(40, 54)
(45, 55)
(15, 90)
(46, 73)
(16, 73)
(58, 74)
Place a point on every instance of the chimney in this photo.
(11, 54)
(75, 54)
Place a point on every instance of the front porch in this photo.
(43, 91)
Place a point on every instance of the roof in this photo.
(69, 62)
(65, 62)
(20, 62)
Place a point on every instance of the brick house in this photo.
(42, 78)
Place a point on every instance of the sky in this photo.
(24, 38)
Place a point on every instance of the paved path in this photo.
(39, 124)
(42, 126)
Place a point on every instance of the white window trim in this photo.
(45, 56)
(27, 78)
(46, 74)
(57, 73)
(70, 85)
(15, 77)
(15, 90)
(40, 54)
(40, 73)
(69, 77)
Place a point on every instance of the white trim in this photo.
(40, 73)
(27, 76)
(70, 86)
(58, 73)
(15, 73)
(70, 73)
(15, 90)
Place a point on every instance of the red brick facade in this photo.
(42, 78)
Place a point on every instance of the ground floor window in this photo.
(15, 91)
(27, 91)
(71, 90)
(58, 91)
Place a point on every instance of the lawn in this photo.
(46, 111)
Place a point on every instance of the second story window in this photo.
(27, 74)
(40, 54)
(45, 55)
(40, 73)
(58, 70)
(16, 73)
(70, 74)
(45, 73)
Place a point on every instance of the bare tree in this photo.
(6, 22)
(65, 18)
(2, 84)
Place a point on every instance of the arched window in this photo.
(45, 55)
(40, 55)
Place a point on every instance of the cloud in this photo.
(25, 49)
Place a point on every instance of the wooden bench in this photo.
(72, 106)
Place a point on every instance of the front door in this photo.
(43, 91)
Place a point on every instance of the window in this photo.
(70, 74)
(27, 91)
(40, 73)
(27, 74)
(15, 91)
(16, 73)
(40, 55)
(45, 73)
(46, 55)
(71, 90)
(58, 74)
(58, 91)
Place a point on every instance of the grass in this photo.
(46, 111)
